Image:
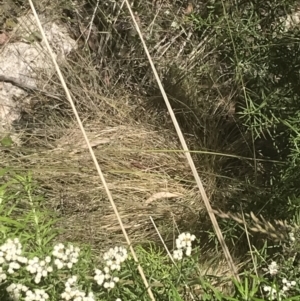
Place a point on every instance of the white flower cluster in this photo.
(65, 257)
(292, 237)
(183, 243)
(10, 255)
(113, 259)
(17, 291)
(40, 268)
(3, 276)
(106, 279)
(272, 292)
(10, 258)
(287, 285)
(73, 293)
(273, 268)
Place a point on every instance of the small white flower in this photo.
(11, 251)
(285, 288)
(287, 285)
(106, 270)
(115, 267)
(178, 254)
(273, 268)
(2, 275)
(99, 277)
(22, 259)
(183, 242)
(72, 280)
(49, 269)
(15, 291)
(37, 279)
(271, 292)
(65, 257)
(114, 257)
(11, 288)
(74, 259)
(188, 251)
(59, 264)
(178, 243)
(174, 25)
(186, 239)
(109, 285)
(39, 267)
(73, 293)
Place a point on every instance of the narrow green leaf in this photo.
(10, 221)
(6, 141)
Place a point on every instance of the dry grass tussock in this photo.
(144, 173)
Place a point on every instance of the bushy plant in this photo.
(257, 53)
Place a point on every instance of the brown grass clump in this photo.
(146, 173)
(140, 178)
(134, 176)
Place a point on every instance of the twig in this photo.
(91, 22)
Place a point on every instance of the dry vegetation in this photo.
(137, 154)
(128, 126)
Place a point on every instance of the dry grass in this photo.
(133, 175)
(136, 158)
(126, 128)
(277, 230)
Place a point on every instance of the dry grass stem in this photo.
(278, 232)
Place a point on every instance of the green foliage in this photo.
(180, 280)
(6, 141)
(36, 230)
(256, 48)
